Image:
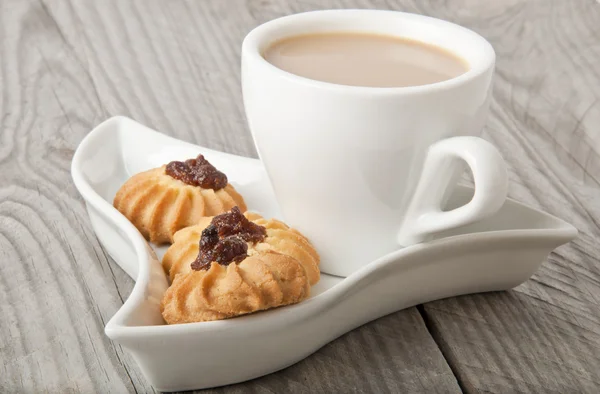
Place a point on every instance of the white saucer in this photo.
(496, 254)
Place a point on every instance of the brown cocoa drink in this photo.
(362, 59)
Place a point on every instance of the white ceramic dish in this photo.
(496, 254)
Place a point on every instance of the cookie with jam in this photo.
(161, 201)
(234, 264)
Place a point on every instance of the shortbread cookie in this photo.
(161, 201)
(230, 266)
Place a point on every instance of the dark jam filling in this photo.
(226, 239)
(235, 223)
(197, 172)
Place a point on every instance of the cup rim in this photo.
(257, 36)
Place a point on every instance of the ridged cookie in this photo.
(159, 205)
(229, 265)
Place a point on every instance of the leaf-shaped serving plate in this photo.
(495, 254)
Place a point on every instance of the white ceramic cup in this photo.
(363, 171)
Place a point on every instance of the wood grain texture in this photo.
(174, 66)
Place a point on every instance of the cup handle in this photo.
(425, 216)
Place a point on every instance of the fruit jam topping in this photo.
(226, 239)
(197, 172)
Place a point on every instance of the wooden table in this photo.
(174, 66)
